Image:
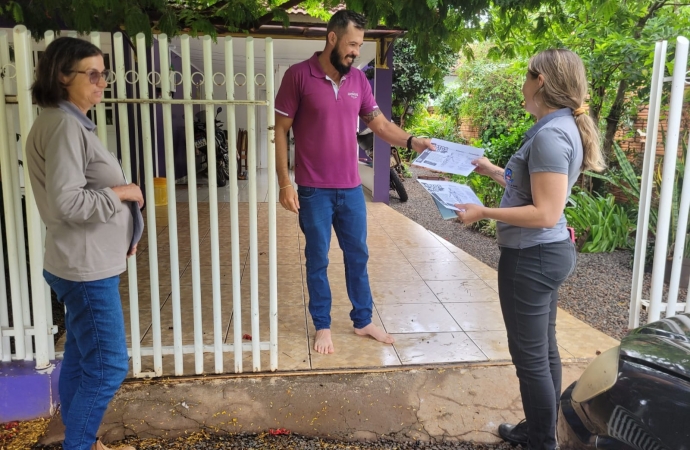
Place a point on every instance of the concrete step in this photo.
(463, 402)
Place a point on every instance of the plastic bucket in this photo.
(160, 190)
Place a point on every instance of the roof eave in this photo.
(312, 30)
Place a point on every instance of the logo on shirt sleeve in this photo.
(353, 94)
(508, 176)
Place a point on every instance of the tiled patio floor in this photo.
(440, 303)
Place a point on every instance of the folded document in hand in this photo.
(447, 194)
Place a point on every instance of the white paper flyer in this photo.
(449, 157)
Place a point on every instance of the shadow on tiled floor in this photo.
(440, 303)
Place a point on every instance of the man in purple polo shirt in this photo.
(321, 99)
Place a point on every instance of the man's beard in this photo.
(337, 62)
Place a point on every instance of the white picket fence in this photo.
(655, 304)
(17, 79)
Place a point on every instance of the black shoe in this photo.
(515, 434)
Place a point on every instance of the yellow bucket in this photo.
(160, 189)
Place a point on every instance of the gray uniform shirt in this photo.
(88, 229)
(552, 145)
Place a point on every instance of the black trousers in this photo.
(528, 282)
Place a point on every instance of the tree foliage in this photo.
(413, 85)
(488, 94)
(431, 24)
(614, 38)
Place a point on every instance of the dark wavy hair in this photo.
(342, 19)
(59, 58)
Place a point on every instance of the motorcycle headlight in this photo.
(598, 377)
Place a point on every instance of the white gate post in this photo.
(670, 156)
(48, 37)
(7, 165)
(150, 203)
(121, 87)
(23, 55)
(234, 207)
(20, 242)
(190, 151)
(172, 202)
(647, 183)
(213, 203)
(272, 243)
(253, 213)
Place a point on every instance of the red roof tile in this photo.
(301, 11)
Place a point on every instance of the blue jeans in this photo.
(95, 361)
(346, 211)
(528, 282)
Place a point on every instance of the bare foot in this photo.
(375, 332)
(323, 343)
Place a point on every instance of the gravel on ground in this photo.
(265, 441)
(598, 292)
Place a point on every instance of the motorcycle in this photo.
(365, 139)
(221, 136)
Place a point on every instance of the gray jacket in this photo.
(88, 229)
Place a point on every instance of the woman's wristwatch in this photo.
(409, 142)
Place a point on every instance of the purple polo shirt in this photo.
(325, 121)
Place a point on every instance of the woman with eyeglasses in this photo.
(89, 211)
(537, 254)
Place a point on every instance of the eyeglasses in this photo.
(95, 76)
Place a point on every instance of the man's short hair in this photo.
(342, 19)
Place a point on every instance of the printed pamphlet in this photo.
(447, 194)
(449, 157)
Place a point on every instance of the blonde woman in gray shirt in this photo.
(537, 254)
(89, 210)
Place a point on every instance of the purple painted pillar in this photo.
(383, 91)
(27, 393)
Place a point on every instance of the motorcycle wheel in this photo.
(397, 185)
(221, 178)
(226, 166)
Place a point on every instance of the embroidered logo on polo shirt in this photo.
(508, 176)
(353, 94)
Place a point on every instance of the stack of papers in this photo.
(447, 194)
(449, 157)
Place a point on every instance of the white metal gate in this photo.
(656, 304)
(42, 328)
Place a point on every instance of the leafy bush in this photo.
(434, 126)
(604, 224)
(501, 148)
(487, 227)
(625, 178)
(489, 95)
(412, 83)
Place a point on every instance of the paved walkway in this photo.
(440, 303)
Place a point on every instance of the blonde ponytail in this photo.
(592, 158)
(565, 86)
